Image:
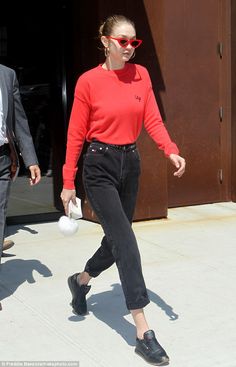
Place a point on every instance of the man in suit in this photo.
(14, 130)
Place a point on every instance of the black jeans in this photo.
(110, 178)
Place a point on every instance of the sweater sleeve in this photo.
(78, 127)
(154, 125)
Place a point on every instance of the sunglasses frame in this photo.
(128, 42)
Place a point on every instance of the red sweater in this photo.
(111, 106)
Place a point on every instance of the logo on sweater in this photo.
(137, 97)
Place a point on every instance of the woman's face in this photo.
(117, 53)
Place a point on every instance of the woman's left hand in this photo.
(179, 163)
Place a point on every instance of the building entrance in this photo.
(33, 46)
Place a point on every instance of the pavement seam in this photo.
(160, 246)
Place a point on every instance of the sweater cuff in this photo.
(171, 149)
(69, 177)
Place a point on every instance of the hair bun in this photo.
(100, 31)
(106, 27)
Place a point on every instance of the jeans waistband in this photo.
(4, 149)
(124, 147)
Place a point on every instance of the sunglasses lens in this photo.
(123, 42)
(135, 43)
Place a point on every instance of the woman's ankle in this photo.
(140, 322)
(140, 333)
(83, 278)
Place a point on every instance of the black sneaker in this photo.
(151, 350)
(78, 292)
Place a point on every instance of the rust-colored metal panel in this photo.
(152, 198)
(192, 100)
(233, 68)
(225, 98)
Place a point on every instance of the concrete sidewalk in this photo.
(190, 272)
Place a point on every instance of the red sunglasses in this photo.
(124, 42)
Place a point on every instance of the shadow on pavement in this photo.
(110, 308)
(163, 305)
(13, 229)
(15, 272)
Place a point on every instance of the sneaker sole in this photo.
(164, 362)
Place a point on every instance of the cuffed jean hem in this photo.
(92, 274)
(132, 306)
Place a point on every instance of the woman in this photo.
(110, 104)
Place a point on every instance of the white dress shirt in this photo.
(3, 134)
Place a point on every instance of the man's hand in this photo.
(14, 162)
(14, 169)
(67, 196)
(179, 163)
(35, 175)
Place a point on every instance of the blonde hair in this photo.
(107, 26)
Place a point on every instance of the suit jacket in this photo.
(18, 132)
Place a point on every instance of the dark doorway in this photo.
(32, 35)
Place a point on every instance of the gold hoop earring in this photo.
(133, 56)
(106, 51)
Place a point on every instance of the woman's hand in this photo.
(179, 163)
(67, 196)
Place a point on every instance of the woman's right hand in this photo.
(67, 196)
